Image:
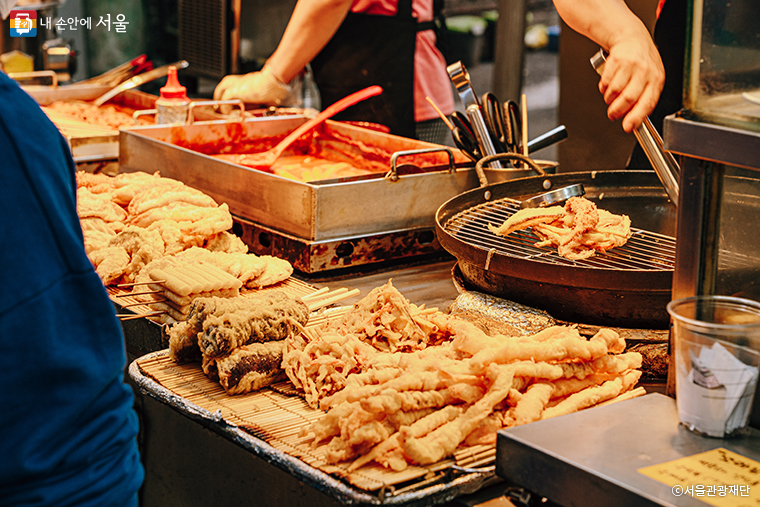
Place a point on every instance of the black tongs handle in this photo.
(494, 118)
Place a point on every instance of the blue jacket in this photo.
(67, 426)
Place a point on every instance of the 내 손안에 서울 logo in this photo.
(23, 23)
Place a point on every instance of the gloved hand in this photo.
(261, 88)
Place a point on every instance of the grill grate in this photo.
(644, 250)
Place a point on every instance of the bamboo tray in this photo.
(269, 423)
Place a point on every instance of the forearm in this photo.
(633, 75)
(312, 25)
(618, 21)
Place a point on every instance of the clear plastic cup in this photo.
(717, 354)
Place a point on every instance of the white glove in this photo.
(261, 88)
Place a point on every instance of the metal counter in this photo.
(590, 458)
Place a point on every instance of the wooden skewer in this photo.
(146, 304)
(140, 293)
(328, 314)
(443, 116)
(324, 295)
(139, 316)
(334, 299)
(524, 114)
(315, 294)
(122, 285)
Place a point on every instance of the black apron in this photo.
(370, 49)
(670, 38)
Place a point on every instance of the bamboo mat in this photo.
(277, 419)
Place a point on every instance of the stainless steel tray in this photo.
(322, 210)
(87, 148)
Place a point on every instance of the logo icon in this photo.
(23, 23)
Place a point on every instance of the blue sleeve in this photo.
(68, 424)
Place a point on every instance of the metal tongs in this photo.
(138, 80)
(663, 162)
(461, 80)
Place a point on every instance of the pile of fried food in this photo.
(406, 385)
(577, 230)
(137, 222)
(238, 341)
(107, 115)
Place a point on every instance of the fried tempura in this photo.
(570, 346)
(578, 230)
(158, 197)
(110, 263)
(532, 403)
(442, 441)
(593, 395)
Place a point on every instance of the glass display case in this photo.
(722, 72)
(716, 137)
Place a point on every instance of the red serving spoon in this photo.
(265, 159)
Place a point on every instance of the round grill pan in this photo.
(624, 287)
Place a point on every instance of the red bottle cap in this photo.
(173, 90)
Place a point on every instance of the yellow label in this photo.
(718, 477)
(16, 61)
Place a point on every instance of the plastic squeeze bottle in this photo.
(173, 103)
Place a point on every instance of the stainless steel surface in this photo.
(88, 148)
(720, 201)
(592, 456)
(663, 162)
(202, 103)
(625, 287)
(461, 81)
(527, 162)
(393, 173)
(138, 80)
(20, 76)
(329, 209)
(553, 197)
(712, 204)
(711, 142)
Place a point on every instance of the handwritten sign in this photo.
(718, 477)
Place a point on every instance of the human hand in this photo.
(632, 80)
(261, 88)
